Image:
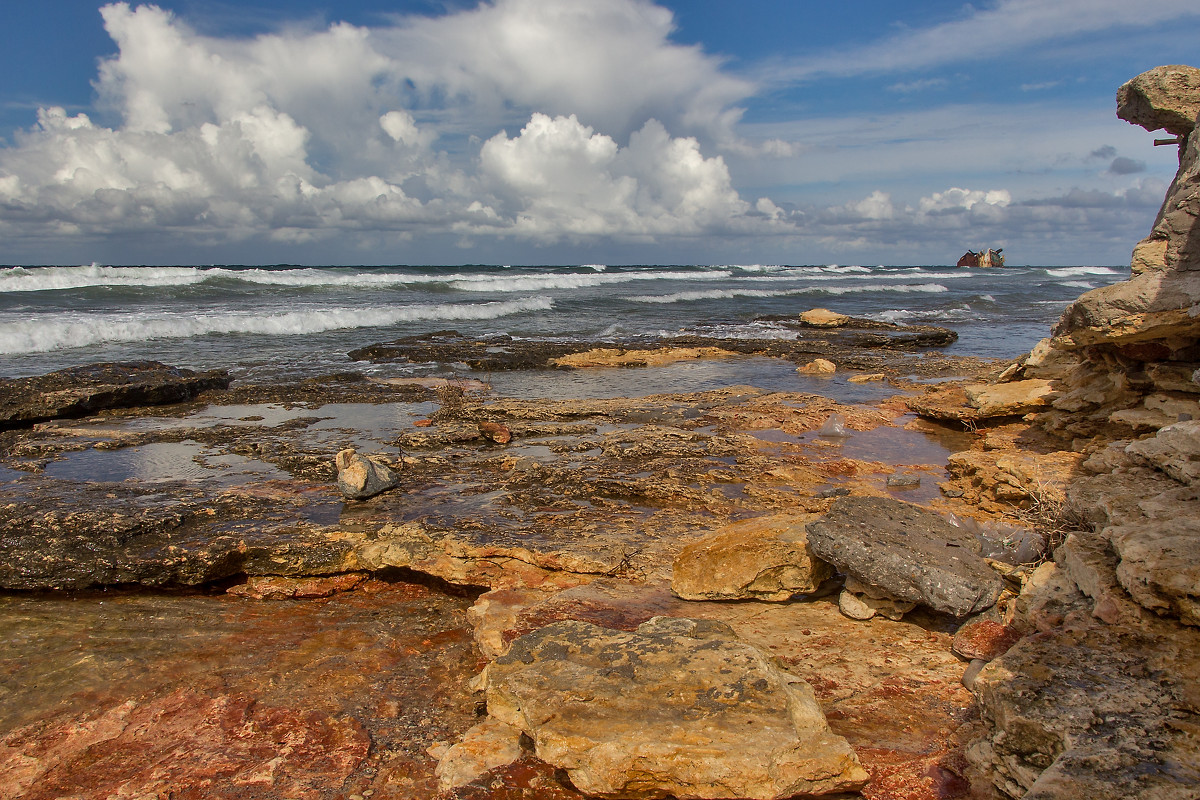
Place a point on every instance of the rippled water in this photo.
(265, 322)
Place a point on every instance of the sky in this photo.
(579, 131)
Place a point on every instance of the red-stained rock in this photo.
(495, 432)
(984, 639)
(187, 744)
(272, 587)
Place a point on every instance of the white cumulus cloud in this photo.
(301, 135)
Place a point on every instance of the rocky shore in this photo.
(984, 586)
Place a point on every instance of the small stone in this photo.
(818, 366)
(903, 481)
(861, 601)
(871, 377)
(495, 432)
(984, 640)
(488, 745)
(972, 672)
(823, 318)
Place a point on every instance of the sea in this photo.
(281, 323)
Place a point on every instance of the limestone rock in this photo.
(907, 553)
(1160, 562)
(818, 366)
(1010, 399)
(634, 357)
(1175, 450)
(1046, 361)
(360, 477)
(891, 688)
(482, 558)
(488, 745)
(1162, 98)
(1150, 306)
(765, 558)
(1047, 599)
(1096, 712)
(862, 602)
(824, 318)
(679, 707)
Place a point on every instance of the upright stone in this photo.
(360, 477)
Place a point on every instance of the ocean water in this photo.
(267, 323)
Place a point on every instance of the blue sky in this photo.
(578, 131)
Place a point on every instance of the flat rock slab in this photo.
(679, 707)
(78, 391)
(906, 552)
(892, 689)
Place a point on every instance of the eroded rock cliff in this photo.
(1102, 699)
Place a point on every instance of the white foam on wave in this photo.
(760, 267)
(726, 294)
(1070, 272)
(571, 280)
(307, 277)
(843, 270)
(904, 316)
(81, 330)
(1078, 284)
(595, 267)
(48, 279)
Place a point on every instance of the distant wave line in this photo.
(1072, 272)
(724, 294)
(83, 330)
(40, 279)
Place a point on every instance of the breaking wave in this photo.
(81, 330)
(725, 294)
(1071, 272)
(43, 279)
(536, 283)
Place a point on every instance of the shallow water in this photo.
(160, 462)
(769, 374)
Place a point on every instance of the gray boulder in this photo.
(906, 553)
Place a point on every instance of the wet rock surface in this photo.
(191, 695)
(78, 391)
(907, 554)
(842, 342)
(243, 497)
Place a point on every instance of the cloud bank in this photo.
(577, 121)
